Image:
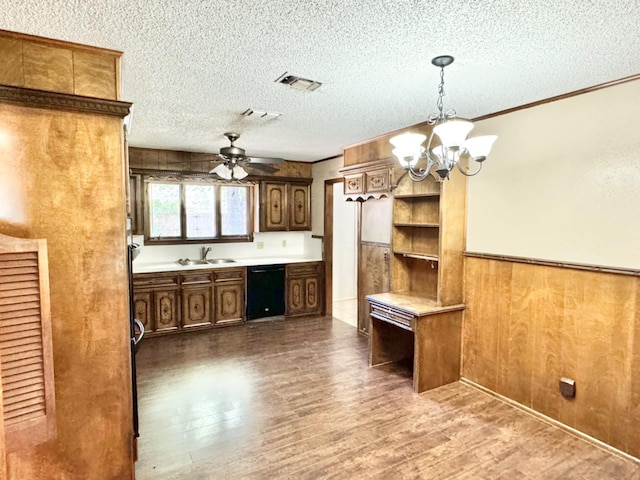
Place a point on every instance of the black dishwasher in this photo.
(265, 291)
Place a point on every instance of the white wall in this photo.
(563, 181)
(345, 235)
(265, 244)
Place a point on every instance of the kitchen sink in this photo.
(221, 260)
(186, 262)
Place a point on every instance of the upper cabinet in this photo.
(285, 206)
(370, 180)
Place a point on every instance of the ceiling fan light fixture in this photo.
(239, 173)
(223, 172)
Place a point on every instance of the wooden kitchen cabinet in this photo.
(229, 287)
(304, 283)
(156, 301)
(285, 206)
(197, 297)
(370, 180)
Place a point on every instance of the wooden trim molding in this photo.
(560, 97)
(29, 97)
(549, 420)
(552, 263)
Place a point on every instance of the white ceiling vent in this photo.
(260, 114)
(298, 83)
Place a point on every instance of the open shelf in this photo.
(419, 256)
(416, 224)
(422, 196)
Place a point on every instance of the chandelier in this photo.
(452, 133)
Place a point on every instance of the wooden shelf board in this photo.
(419, 225)
(417, 195)
(420, 256)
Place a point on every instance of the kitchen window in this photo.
(183, 211)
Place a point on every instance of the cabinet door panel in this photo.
(229, 304)
(196, 306)
(274, 206)
(299, 210)
(166, 310)
(143, 309)
(295, 296)
(312, 294)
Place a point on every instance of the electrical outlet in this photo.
(260, 245)
(284, 243)
(568, 387)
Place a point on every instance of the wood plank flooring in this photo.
(295, 399)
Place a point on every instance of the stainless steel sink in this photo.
(221, 260)
(186, 262)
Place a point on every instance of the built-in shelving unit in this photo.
(428, 238)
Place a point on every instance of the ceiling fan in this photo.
(235, 161)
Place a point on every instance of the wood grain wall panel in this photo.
(11, 68)
(178, 161)
(528, 325)
(373, 277)
(48, 68)
(69, 169)
(63, 67)
(94, 75)
(453, 219)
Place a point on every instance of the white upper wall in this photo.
(563, 181)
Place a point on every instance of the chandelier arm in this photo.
(467, 174)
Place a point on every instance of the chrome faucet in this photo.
(203, 252)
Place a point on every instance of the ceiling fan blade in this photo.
(262, 167)
(265, 160)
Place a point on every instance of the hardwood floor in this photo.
(296, 399)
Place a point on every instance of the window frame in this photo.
(182, 239)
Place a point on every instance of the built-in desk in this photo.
(404, 327)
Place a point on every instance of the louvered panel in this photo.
(25, 323)
(20, 342)
(25, 350)
(24, 366)
(19, 331)
(27, 412)
(17, 292)
(6, 288)
(14, 317)
(26, 380)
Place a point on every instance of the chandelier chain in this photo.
(439, 104)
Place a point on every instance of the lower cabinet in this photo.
(229, 286)
(173, 302)
(304, 289)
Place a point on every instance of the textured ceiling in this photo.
(192, 67)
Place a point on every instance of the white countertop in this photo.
(156, 267)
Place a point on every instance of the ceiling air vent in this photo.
(298, 83)
(260, 114)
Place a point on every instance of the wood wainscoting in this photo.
(527, 325)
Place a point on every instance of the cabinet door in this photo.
(143, 309)
(196, 306)
(299, 209)
(353, 184)
(229, 304)
(166, 310)
(312, 295)
(295, 296)
(273, 206)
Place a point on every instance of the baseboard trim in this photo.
(551, 421)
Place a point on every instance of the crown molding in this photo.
(29, 97)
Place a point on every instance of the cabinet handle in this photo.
(139, 324)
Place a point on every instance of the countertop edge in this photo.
(160, 267)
